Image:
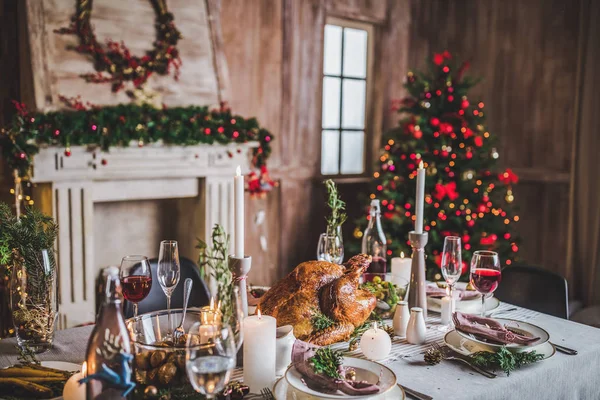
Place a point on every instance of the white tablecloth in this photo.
(559, 377)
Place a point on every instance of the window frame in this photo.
(368, 118)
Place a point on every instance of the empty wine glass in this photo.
(168, 272)
(136, 279)
(485, 274)
(451, 262)
(330, 248)
(210, 357)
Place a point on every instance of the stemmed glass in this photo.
(136, 279)
(330, 248)
(168, 272)
(451, 262)
(485, 274)
(210, 357)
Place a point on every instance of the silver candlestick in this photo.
(239, 268)
(417, 296)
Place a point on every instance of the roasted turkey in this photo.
(320, 287)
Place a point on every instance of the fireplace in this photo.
(123, 202)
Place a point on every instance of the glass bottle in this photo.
(375, 244)
(108, 354)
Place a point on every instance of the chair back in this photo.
(535, 288)
(157, 300)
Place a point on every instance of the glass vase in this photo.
(33, 300)
(330, 248)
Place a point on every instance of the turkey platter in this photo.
(318, 289)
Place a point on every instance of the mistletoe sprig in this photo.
(337, 207)
(505, 360)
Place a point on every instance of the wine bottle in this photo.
(108, 354)
(374, 243)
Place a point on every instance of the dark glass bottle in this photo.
(108, 354)
(374, 243)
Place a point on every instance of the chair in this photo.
(157, 300)
(536, 289)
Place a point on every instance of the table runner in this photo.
(560, 377)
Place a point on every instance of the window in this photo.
(344, 103)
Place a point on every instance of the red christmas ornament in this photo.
(507, 236)
(442, 191)
(481, 208)
(427, 95)
(466, 238)
(470, 224)
(418, 134)
(446, 69)
(434, 121)
(478, 141)
(464, 104)
(487, 241)
(68, 152)
(450, 98)
(104, 162)
(438, 92)
(468, 133)
(438, 59)
(508, 177)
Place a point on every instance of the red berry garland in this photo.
(115, 64)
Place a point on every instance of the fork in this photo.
(446, 352)
(267, 394)
(187, 290)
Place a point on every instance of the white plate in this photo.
(62, 365)
(524, 328)
(366, 370)
(283, 391)
(464, 306)
(467, 346)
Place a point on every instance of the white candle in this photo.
(375, 343)
(446, 310)
(401, 267)
(420, 198)
(238, 190)
(259, 351)
(73, 390)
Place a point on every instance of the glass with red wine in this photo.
(136, 279)
(486, 274)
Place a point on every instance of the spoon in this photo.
(187, 289)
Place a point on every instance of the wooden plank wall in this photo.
(527, 52)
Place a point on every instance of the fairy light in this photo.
(516, 218)
(376, 175)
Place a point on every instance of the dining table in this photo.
(562, 376)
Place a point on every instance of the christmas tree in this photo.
(466, 194)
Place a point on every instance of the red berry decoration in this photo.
(104, 162)
(450, 98)
(22, 155)
(434, 121)
(446, 69)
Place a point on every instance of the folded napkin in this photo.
(437, 292)
(488, 328)
(301, 354)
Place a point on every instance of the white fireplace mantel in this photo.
(89, 175)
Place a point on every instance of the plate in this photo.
(62, 365)
(283, 391)
(366, 370)
(524, 328)
(464, 306)
(467, 346)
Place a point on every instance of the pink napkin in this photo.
(437, 292)
(488, 328)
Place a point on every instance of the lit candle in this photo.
(401, 267)
(238, 190)
(73, 390)
(375, 343)
(420, 198)
(259, 351)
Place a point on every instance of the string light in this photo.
(376, 175)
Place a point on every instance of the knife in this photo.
(415, 394)
(564, 349)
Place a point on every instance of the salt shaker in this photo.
(401, 317)
(415, 332)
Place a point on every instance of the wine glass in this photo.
(234, 316)
(485, 274)
(451, 262)
(168, 272)
(330, 248)
(210, 357)
(136, 279)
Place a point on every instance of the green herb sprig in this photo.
(321, 321)
(327, 362)
(337, 206)
(505, 360)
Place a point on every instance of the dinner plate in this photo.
(366, 370)
(284, 391)
(62, 365)
(464, 306)
(523, 328)
(466, 346)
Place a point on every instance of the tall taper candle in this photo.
(259, 351)
(420, 198)
(238, 190)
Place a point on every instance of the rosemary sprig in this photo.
(504, 359)
(327, 362)
(337, 206)
(321, 321)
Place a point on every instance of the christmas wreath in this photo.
(115, 63)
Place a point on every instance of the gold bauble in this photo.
(150, 392)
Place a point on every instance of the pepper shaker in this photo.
(401, 317)
(415, 332)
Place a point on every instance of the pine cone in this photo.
(390, 330)
(353, 345)
(433, 356)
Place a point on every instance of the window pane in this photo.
(353, 146)
(331, 102)
(355, 53)
(332, 50)
(353, 111)
(330, 152)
